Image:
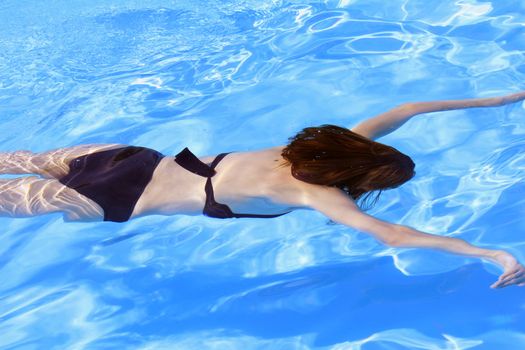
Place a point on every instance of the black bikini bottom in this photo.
(114, 179)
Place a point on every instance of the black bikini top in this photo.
(190, 162)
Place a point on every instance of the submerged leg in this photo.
(18, 162)
(50, 164)
(31, 196)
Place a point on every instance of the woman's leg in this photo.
(50, 164)
(31, 196)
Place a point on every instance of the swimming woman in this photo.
(326, 168)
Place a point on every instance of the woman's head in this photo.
(334, 156)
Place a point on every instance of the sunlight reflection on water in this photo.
(239, 75)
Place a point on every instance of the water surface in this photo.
(220, 76)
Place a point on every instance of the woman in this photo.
(327, 169)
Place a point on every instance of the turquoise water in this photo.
(221, 76)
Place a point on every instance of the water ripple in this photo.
(219, 76)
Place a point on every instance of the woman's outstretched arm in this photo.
(335, 204)
(387, 122)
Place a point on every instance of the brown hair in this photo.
(334, 156)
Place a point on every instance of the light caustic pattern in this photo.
(237, 75)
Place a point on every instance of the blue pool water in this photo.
(239, 75)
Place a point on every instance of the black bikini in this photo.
(115, 179)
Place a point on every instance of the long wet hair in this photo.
(334, 156)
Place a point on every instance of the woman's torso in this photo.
(248, 182)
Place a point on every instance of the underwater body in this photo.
(221, 76)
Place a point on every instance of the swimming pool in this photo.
(221, 76)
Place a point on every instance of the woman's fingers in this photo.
(514, 97)
(518, 279)
(510, 283)
(508, 276)
(513, 276)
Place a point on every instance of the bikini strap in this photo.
(210, 197)
(217, 160)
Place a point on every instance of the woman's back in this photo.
(248, 182)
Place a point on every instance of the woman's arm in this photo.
(387, 122)
(335, 204)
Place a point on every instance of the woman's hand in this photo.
(512, 98)
(513, 271)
